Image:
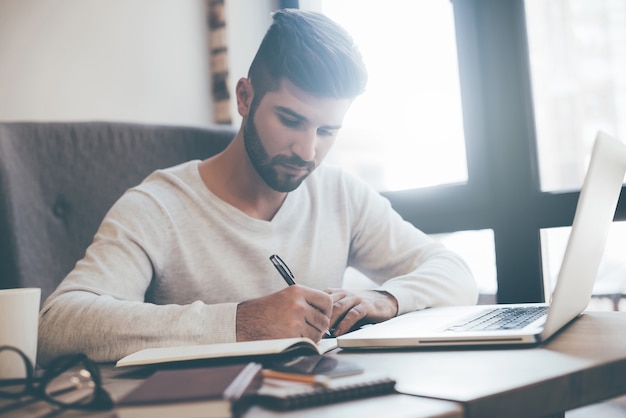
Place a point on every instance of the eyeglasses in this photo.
(65, 374)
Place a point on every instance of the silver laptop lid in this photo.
(592, 221)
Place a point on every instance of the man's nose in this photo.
(305, 144)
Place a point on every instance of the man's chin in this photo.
(286, 185)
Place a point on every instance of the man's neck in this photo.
(238, 184)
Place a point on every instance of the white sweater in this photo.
(171, 261)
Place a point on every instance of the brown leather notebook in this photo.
(208, 392)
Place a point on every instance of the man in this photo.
(183, 258)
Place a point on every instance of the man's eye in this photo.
(289, 121)
(325, 132)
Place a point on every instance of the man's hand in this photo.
(296, 311)
(359, 307)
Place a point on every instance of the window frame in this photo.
(503, 191)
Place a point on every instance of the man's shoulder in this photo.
(182, 170)
(167, 195)
(184, 173)
(165, 186)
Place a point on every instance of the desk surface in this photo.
(394, 405)
(584, 364)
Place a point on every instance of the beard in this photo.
(266, 166)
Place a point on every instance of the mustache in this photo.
(293, 160)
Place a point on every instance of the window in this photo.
(610, 286)
(416, 138)
(577, 53)
(407, 130)
(530, 74)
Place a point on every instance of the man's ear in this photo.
(245, 93)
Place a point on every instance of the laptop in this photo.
(483, 325)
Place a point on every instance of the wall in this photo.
(247, 22)
(131, 60)
(126, 60)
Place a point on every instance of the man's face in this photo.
(289, 133)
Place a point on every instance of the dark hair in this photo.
(311, 51)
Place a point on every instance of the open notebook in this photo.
(483, 324)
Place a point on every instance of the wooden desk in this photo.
(119, 382)
(389, 406)
(582, 365)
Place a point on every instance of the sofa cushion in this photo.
(58, 180)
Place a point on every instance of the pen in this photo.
(314, 379)
(283, 269)
(287, 275)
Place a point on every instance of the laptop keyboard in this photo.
(502, 319)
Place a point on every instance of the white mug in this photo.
(19, 321)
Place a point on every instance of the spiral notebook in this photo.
(284, 395)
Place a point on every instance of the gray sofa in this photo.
(57, 181)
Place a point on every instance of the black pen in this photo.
(283, 269)
(287, 275)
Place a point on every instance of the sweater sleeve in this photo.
(100, 308)
(418, 271)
